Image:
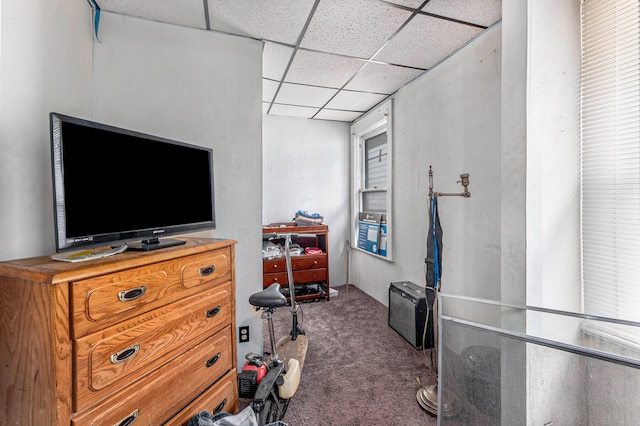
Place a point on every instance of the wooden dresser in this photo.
(309, 270)
(139, 338)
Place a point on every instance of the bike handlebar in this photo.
(277, 236)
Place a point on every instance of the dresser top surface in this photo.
(47, 270)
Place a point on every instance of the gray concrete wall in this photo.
(513, 168)
(449, 119)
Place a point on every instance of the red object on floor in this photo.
(260, 369)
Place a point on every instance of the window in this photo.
(610, 117)
(371, 194)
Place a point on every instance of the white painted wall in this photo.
(553, 155)
(195, 86)
(306, 166)
(449, 119)
(202, 88)
(553, 206)
(45, 64)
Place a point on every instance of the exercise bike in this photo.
(270, 380)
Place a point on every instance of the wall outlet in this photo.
(244, 334)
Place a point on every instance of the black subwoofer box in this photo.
(408, 311)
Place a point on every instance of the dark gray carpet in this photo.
(358, 370)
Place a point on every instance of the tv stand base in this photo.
(154, 244)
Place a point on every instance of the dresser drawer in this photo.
(306, 276)
(101, 301)
(121, 354)
(205, 269)
(222, 397)
(160, 395)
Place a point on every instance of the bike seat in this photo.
(270, 297)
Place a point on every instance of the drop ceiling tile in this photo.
(292, 111)
(353, 28)
(275, 20)
(408, 3)
(298, 94)
(382, 78)
(355, 101)
(189, 13)
(322, 69)
(337, 115)
(275, 58)
(426, 41)
(269, 88)
(481, 12)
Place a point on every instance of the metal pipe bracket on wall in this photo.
(464, 180)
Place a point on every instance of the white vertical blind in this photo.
(376, 151)
(611, 158)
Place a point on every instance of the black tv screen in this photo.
(113, 185)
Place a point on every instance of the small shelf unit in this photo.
(310, 271)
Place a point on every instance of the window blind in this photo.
(376, 151)
(610, 127)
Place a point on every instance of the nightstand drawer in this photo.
(166, 391)
(307, 276)
(309, 262)
(298, 263)
(121, 354)
(274, 265)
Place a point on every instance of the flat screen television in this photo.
(113, 186)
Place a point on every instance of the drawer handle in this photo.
(275, 266)
(214, 311)
(125, 354)
(212, 361)
(132, 294)
(128, 420)
(219, 407)
(207, 270)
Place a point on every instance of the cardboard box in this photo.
(382, 239)
(369, 231)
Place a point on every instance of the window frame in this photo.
(375, 123)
